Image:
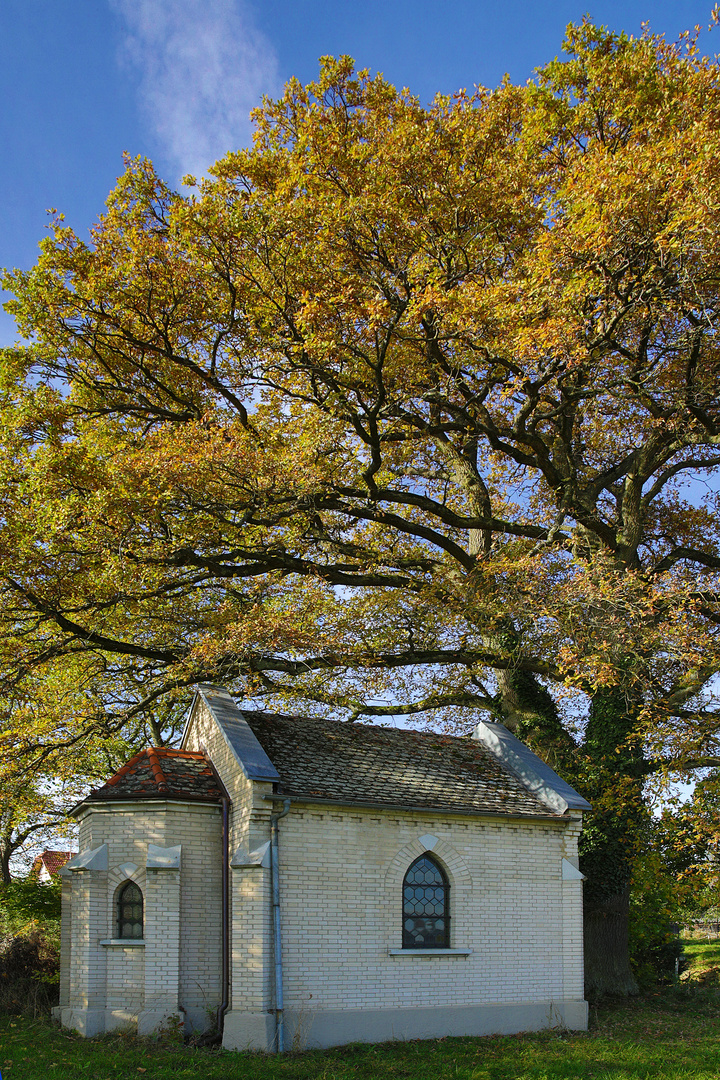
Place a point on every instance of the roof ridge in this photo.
(356, 725)
(122, 771)
(177, 750)
(159, 775)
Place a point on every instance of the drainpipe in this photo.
(277, 936)
(225, 910)
(225, 923)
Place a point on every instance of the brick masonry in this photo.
(179, 963)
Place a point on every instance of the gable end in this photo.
(236, 731)
(535, 774)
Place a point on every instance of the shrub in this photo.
(29, 901)
(654, 943)
(29, 947)
(29, 973)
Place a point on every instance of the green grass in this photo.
(673, 1034)
(701, 952)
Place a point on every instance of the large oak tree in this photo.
(404, 410)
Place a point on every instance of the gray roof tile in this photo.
(363, 763)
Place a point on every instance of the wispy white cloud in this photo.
(203, 65)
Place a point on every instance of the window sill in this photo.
(429, 952)
(124, 943)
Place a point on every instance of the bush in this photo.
(29, 947)
(654, 943)
(29, 973)
(29, 901)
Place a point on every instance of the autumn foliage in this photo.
(407, 409)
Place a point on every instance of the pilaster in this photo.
(65, 937)
(162, 937)
(572, 917)
(87, 969)
(249, 1022)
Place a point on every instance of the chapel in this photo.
(290, 882)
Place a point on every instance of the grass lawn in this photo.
(701, 952)
(673, 1034)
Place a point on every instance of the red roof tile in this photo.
(53, 861)
(159, 773)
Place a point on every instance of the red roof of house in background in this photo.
(159, 773)
(53, 861)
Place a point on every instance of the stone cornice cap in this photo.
(163, 858)
(237, 733)
(243, 859)
(92, 859)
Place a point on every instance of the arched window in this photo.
(130, 911)
(426, 906)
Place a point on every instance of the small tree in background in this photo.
(689, 840)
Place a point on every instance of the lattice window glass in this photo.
(130, 911)
(426, 906)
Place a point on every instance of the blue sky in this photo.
(81, 81)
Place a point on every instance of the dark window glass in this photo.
(426, 909)
(130, 912)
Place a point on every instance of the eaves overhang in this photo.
(497, 815)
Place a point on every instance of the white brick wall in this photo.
(180, 963)
(341, 874)
(126, 980)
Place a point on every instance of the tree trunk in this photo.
(612, 779)
(529, 709)
(5, 853)
(609, 773)
(607, 963)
